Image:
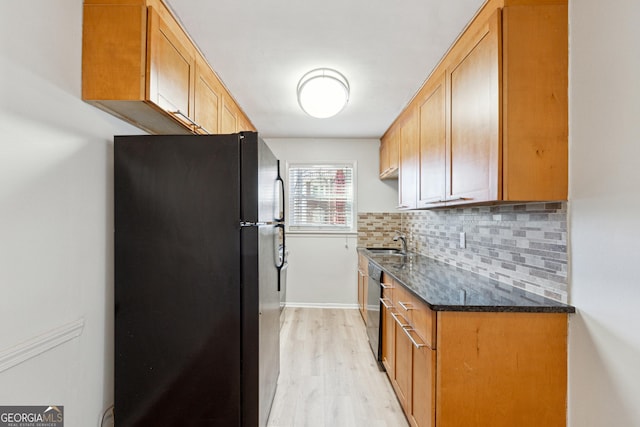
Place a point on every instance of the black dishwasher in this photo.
(374, 293)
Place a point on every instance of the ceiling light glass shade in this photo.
(323, 93)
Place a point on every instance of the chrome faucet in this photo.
(400, 236)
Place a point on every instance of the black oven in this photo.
(374, 293)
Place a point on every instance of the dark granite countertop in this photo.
(445, 287)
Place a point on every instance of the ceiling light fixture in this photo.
(323, 93)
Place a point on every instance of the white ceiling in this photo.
(386, 49)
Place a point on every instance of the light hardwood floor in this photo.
(328, 376)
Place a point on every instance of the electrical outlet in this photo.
(463, 240)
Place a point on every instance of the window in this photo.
(321, 197)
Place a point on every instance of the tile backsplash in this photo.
(376, 229)
(523, 245)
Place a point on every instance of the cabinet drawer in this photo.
(423, 320)
(403, 301)
(416, 312)
(388, 285)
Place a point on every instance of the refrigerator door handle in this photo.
(284, 248)
(280, 182)
(255, 224)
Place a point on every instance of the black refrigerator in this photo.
(199, 221)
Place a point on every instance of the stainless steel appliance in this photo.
(374, 293)
(283, 252)
(197, 226)
(282, 277)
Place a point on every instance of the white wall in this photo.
(604, 341)
(56, 219)
(323, 268)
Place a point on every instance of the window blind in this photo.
(321, 197)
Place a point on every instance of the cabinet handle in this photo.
(203, 128)
(413, 341)
(402, 207)
(404, 305)
(385, 286)
(402, 325)
(186, 118)
(455, 199)
(386, 304)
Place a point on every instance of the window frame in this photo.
(320, 229)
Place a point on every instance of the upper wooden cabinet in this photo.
(229, 123)
(473, 166)
(493, 122)
(139, 64)
(208, 94)
(433, 145)
(171, 68)
(409, 162)
(243, 124)
(389, 151)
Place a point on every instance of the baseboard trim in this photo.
(321, 305)
(39, 344)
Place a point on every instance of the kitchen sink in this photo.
(385, 251)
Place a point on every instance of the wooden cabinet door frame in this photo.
(432, 172)
(160, 32)
(465, 117)
(229, 116)
(384, 157)
(423, 387)
(409, 162)
(206, 100)
(403, 366)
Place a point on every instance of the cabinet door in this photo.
(423, 397)
(229, 118)
(243, 124)
(389, 156)
(384, 156)
(408, 175)
(171, 67)
(393, 152)
(206, 100)
(432, 181)
(388, 342)
(474, 152)
(388, 328)
(361, 294)
(403, 364)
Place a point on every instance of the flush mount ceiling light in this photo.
(323, 93)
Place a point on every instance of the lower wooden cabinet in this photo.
(507, 369)
(403, 377)
(423, 380)
(466, 369)
(388, 328)
(408, 355)
(363, 278)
